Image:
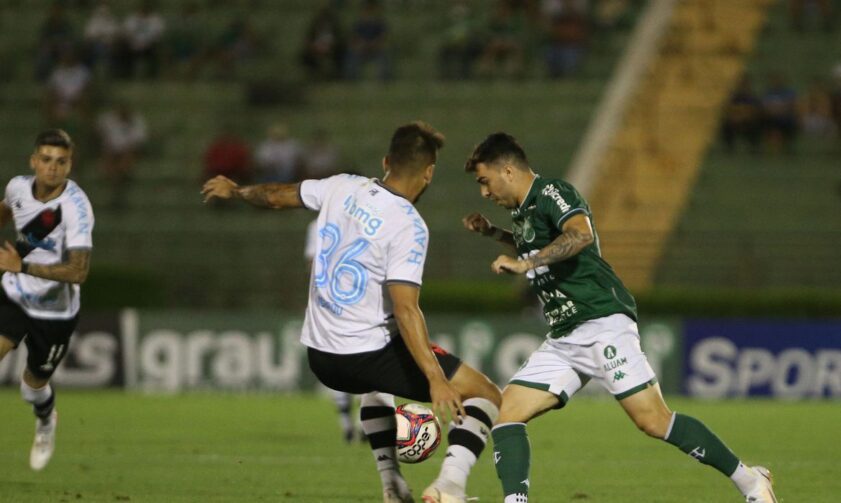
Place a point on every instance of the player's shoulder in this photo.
(558, 191)
(75, 198)
(19, 183)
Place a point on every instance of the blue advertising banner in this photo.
(781, 359)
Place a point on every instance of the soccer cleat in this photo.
(762, 492)
(434, 495)
(398, 492)
(42, 448)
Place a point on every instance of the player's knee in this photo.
(33, 380)
(492, 393)
(652, 424)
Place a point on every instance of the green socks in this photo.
(692, 437)
(512, 457)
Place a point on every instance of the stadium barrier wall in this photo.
(174, 351)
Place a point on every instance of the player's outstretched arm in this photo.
(446, 401)
(266, 195)
(477, 222)
(73, 270)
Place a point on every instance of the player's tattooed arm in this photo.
(577, 234)
(73, 270)
(267, 195)
(271, 195)
(477, 222)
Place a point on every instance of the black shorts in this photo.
(46, 340)
(388, 370)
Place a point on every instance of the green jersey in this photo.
(580, 288)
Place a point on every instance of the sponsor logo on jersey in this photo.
(610, 352)
(615, 363)
(552, 192)
(619, 375)
(370, 223)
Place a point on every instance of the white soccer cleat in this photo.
(398, 492)
(42, 448)
(434, 495)
(762, 492)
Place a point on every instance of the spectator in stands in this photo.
(799, 10)
(237, 43)
(369, 43)
(143, 31)
(743, 117)
(321, 157)
(122, 135)
(186, 48)
(567, 39)
(324, 49)
(461, 45)
(503, 50)
(67, 89)
(229, 155)
(815, 109)
(102, 31)
(54, 38)
(279, 158)
(779, 109)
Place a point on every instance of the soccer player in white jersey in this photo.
(364, 330)
(39, 301)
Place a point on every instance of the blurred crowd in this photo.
(772, 119)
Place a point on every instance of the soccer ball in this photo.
(418, 432)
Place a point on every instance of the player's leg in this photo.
(512, 450)
(6, 345)
(650, 413)
(380, 426)
(466, 440)
(47, 344)
(618, 363)
(546, 381)
(363, 374)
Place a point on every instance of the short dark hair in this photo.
(497, 147)
(414, 146)
(54, 138)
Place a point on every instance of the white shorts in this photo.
(614, 358)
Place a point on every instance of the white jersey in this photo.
(46, 231)
(368, 236)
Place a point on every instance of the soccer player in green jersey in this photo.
(592, 317)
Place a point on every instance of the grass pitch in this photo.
(115, 446)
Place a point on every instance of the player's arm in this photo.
(577, 234)
(412, 325)
(266, 195)
(477, 222)
(5, 214)
(73, 270)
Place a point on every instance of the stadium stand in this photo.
(768, 219)
(167, 236)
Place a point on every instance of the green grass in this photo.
(116, 446)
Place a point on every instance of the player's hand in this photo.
(9, 258)
(220, 187)
(477, 222)
(511, 265)
(446, 401)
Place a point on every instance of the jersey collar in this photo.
(529, 196)
(386, 187)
